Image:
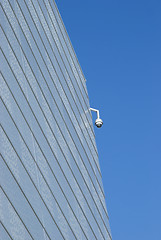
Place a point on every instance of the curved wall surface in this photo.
(51, 185)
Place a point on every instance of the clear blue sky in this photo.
(118, 44)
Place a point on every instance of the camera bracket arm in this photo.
(97, 111)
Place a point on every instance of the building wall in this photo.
(51, 185)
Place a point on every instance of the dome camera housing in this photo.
(99, 122)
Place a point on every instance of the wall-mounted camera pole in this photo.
(98, 121)
(97, 111)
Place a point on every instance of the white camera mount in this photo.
(98, 121)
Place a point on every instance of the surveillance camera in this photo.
(99, 122)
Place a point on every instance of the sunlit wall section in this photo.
(51, 184)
